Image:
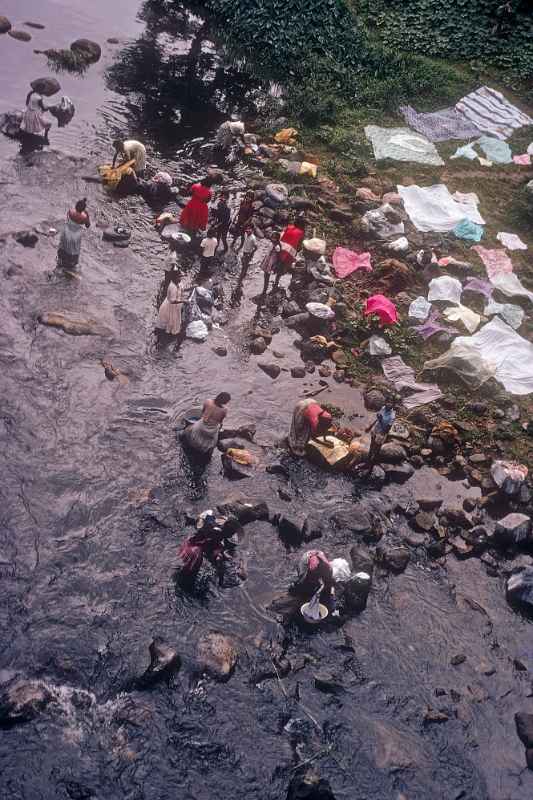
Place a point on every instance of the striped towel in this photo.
(492, 113)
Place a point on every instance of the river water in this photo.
(95, 488)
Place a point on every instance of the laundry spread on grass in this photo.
(511, 241)
(500, 273)
(483, 110)
(495, 351)
(434, 208)
(402, 144)
(496, 151)
(347, 261)
(403, 379)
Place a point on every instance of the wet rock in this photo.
(220, 351)
(478, 458)
(414, 539)
(290, 309)
(284, 495)
(291, 531)
(310, 367)
(326, 681)
(234, 470)
(362, 560)
(460, 658)
(309, 787)
(374, 400)
(298, 372)
(88, 50)
(164, 660)
(21, 36)
(113, 373)
(461, 548)
(324, 371)
(426, 521)
(524, 727)
(216, 655)
(477, 408)
(398, 473)
(73, 324)
(392, 453)
(520, 588)
(21, 701)
(244, 432)
(458, 516)
(297, 319)
(340, 215)
(434, 715)
(113, 40)
(529, 758)
(5, 24)
(27, 238)
(312, 529)
(339, 375)
(354, 519)
(393, 558)
(258, 346)
(394, 749)
(272, 370)
(244, 510)
(514, 529)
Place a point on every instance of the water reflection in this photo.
(174, 77)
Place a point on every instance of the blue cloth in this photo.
(469, 230)
(496, 151)
(384, 420)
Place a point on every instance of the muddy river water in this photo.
(94, 489)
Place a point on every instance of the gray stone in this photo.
(393, 558)
(298, 372)
(22, 36)
(514, 529)
(245, 510)
(90, 51)
(164, 660)
(220, 351)
(22, 701)
(460, 658)
(291, 531)
(258, 346)
(272, 370)
(354, 519)
(362, 559)
(297, 319)
(524, 727)
(5, 24)
(392, 453)
(328, 682)
(398, 473)
(374, 400)
(73, 324)
(426, 521)
(290, 309)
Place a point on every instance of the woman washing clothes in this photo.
(227, 134)
(315, 570)
(196, 213)
(202, 436)
(33, 122)
(68, 252)
(309, 419)
(207, 542)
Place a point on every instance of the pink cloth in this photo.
(524, 159)
(347, 261)
(392, 198)
(496, 261)
(366, 195)
(382, 306)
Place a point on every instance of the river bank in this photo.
(97, 495)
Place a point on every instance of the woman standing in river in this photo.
(33, 122)
(68, 252)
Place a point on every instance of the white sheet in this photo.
(463, 314)
(445, 288)
(433, 208)
(505, 354)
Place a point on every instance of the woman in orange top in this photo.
(196, 213)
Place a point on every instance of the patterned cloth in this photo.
(489, 111)
(439, 126)
(402, 144)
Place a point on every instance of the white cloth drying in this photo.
(445, 288)
(433, 208)
(463, 314)
(511, 241)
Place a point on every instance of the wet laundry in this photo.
(382, 307)
(468, 230)
(512, 315)
(511, 241)
(490, 112)
(404, 381)
(347, 261)
(440, 126)
(460, 313)
(445, 288)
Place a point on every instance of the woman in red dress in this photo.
(195, 214)
(291, 239)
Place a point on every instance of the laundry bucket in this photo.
(323, 614)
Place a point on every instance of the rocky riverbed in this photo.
(116, 683)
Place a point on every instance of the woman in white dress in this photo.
(169, 316)
(33, 121)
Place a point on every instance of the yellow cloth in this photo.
(112, 175)
(306, 168)
(241, 456)
(286, 136)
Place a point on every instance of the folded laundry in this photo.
(433, 208)
(402, 144)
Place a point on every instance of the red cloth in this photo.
(291, 238)
(382, 306)
(196, 213)
(313, 413)
(195, 548)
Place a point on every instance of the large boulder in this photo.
(513, 529)
(398, 473)
(374, 399)
(46, 86)
(88, 50)
(244, 510)
(353, 519)
(21, 701)
(5, 24)
(164, 660)
(216, 655)
(272, 370)
(392, 453)
(393, 558)
(309, 787)
(21, 36)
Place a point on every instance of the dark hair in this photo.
(118, 144)
(29, 95)
(207, 181)
(81, 205)
(224, 195)
(211, 232)
(222, 398)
